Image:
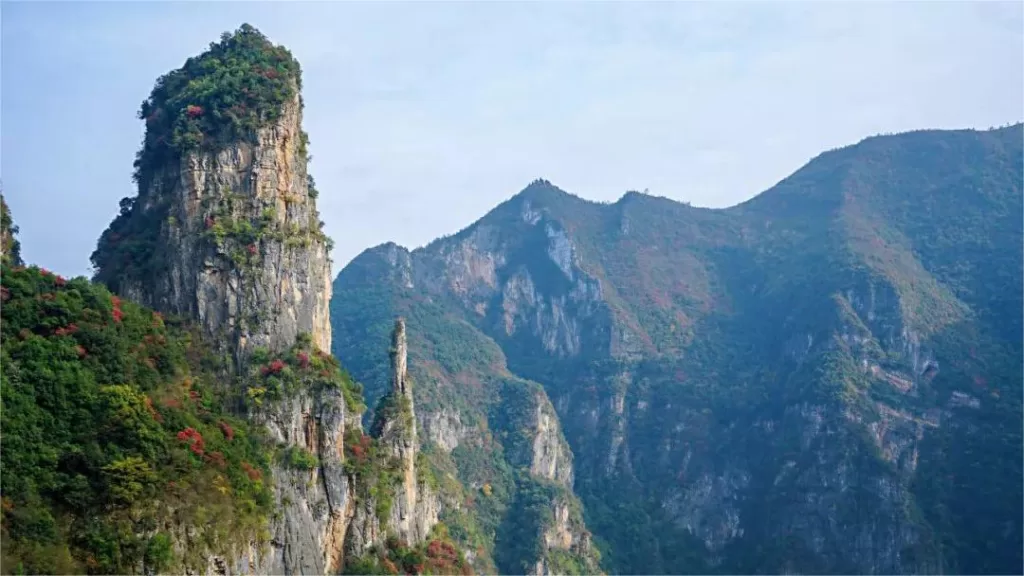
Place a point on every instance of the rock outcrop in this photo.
(225, 232)
(239, 241)
(565, 540)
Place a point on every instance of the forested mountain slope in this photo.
(826, 378)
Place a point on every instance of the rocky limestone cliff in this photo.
(239, 240)
(225, 233)
(817, 380)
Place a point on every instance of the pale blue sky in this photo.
(423, 116)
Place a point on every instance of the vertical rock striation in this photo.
(239, 242)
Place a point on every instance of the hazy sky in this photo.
(423, 116)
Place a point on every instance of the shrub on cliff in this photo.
(225, 94)
(10, 248)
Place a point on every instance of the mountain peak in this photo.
(206, 245)
(541, 189)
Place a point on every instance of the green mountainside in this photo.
(825, 378)
(113, 423)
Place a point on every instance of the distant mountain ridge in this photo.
(825, 378)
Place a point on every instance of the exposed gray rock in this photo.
(552, 458)
(259, 295)
(444, 428)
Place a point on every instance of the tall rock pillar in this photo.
(225, 232)
(414, 510)
(402, 437)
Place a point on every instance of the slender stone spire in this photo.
(399, 380)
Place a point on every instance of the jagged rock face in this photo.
(327, 514)
(566, 533)
(443, 428)
(316, 504)
(794, 384)
(497, 437)
(316, 507)
(552, 458)
(260, 294)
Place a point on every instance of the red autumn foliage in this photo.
(69, 329)
(194, 440)
(390, 566)
(217, 459)
(303, 360)
(441, 550)
(252, 249)
(45, 272)
(253, 473)
(274, 367)
(361, 449)
(193, 395)
(59, 281)
(444, 559)
(117, 314)
(172, 403)
(194, 111)
(434, 549)
(229, 432)
(81, 351)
